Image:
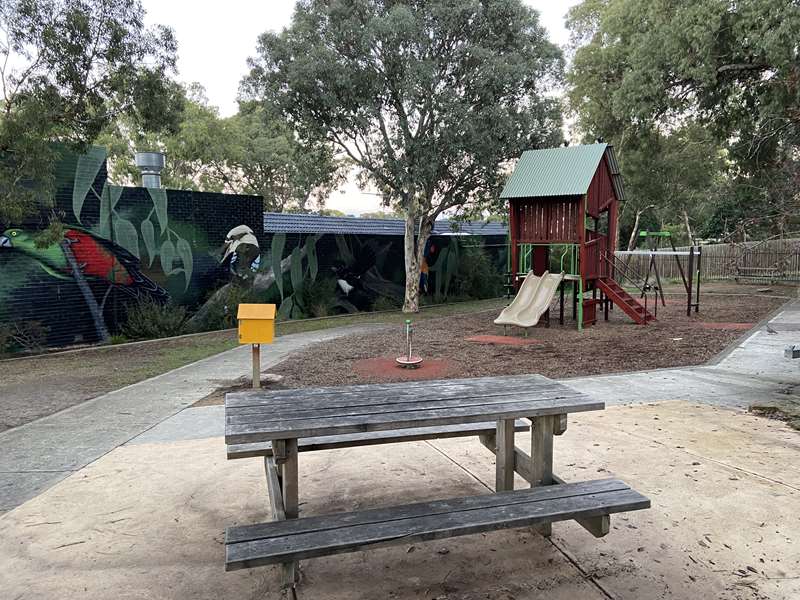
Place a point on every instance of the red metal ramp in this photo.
(625, 301)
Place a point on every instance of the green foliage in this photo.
(148, 319)
(320, 298)
(427, 99)
(385, 303)
(22, 336)
(69, 68)
(708, 85)
(253, 152)
(476, 277)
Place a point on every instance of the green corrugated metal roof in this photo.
(564, 171)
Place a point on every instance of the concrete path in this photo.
(753, 369)
(36, 455)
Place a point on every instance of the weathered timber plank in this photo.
(434, 508)
(318, 402)
(370, 438)
(542, 457)
(597, 526)
(290, 481)
(504, 464)
(404, 530)
(267, 430)
(234, 416)
(412, 388)
(274, 489)
(560, 425)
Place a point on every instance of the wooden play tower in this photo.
(563, 210)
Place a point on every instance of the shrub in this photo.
(319, 297)
(385, 303)
(477, 277)
(222, 314)
(27, 336)
(148, 319)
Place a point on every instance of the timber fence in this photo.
(757, 262)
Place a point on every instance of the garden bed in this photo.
(559, 351)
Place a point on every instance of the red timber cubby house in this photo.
(563, 209)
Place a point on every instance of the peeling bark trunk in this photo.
(414, 250)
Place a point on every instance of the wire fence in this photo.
(769, 261)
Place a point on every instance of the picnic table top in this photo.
(258, 416)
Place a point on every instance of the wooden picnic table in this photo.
(280, 424)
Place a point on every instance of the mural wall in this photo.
(128, 247)
(120, 245)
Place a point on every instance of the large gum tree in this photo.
(429, 99)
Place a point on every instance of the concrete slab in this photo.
(68, 440)
(191, 424)
(147, 519)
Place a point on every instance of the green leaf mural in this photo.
(149, 237)
(185, 252)
(103, 227)
(159, 197)
(89, 165)
(125, 235)
(285, 310)
(344, 249)
(311, 254)
(167, 256)
(278, 242)
(296, 272)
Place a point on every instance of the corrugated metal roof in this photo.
(305, 223)
(564, 171)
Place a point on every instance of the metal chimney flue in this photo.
(150, 164)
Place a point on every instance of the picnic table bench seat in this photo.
(369, 438)
(296, 539)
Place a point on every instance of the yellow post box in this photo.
(256, 327)
(256, 323)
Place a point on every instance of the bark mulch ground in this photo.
(561, 351)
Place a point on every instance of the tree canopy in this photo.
(252, 152)
(68, 68)
(428, 98)
(645, 70)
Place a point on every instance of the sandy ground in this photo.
(147, 520)
(675, 340)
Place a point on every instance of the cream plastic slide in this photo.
(532, 300)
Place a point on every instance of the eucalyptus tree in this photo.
(429, 99)
(68, 68)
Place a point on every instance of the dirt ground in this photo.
(562, 351)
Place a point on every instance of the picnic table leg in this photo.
(542, 457)
(290, 501)
(504, 466)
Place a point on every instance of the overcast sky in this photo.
(215, 40)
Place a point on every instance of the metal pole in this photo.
(690, 283)
(697, 301)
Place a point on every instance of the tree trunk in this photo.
(414, 250)
(688, 227)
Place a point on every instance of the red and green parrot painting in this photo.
(96, 259)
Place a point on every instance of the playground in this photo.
(472, 345)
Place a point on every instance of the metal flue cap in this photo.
(150, 164)
(150, 161)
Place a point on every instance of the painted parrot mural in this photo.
(95, 256)
(84, 257)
